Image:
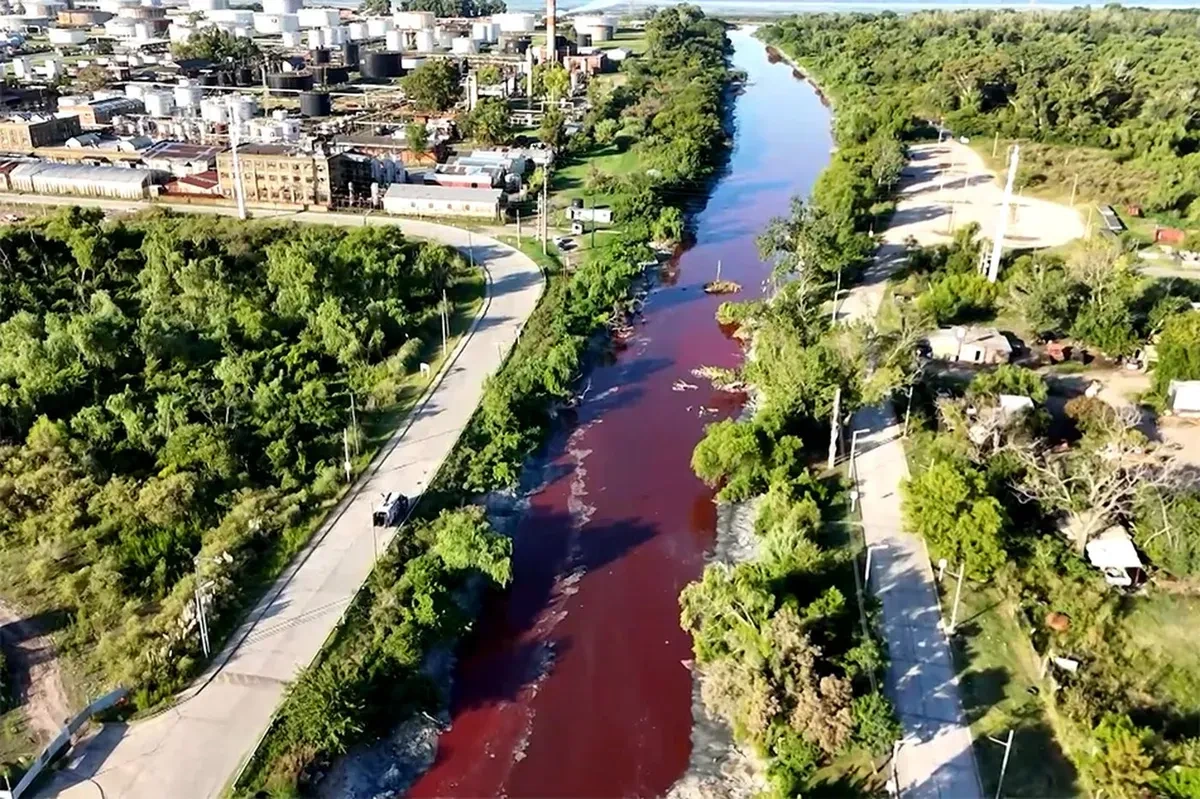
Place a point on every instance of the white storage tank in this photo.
(413, 20)
(444, 37)
(394, 41)
(424, 41)
(291, 38)
(66, 36)
(318, 17)
(135, 91)
(598, 26)
(515, 22)
(188, 95)
(214, 110)
(233, 16)
(119, 28)
(357, 31)
(280, 7)
(315, 39)
(207, 6)
(245, 107)
(159, 104)
(479, 31)
(275, 23)
(464, 45)
(409, 63)
(378, 27)
(335, 36)
(493, 32)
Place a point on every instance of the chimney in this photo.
(551, 40)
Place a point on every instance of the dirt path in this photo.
(33, 665)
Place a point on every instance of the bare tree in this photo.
(1095, 483)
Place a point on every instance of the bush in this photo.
(957, 298)
(949, 505)
(1009, 379)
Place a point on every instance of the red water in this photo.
(574, 685)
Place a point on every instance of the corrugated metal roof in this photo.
(81, 172)
(414, 191)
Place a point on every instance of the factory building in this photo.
(411, 199)
(23, 132)
(273, 173)
(181, 158)
(42, 177)
(95, 113)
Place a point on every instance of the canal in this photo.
(575, 684)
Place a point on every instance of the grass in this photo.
(1000, 688)
(569, 182)
(1161, 629)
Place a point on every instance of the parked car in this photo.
(392, 508)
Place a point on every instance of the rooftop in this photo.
(182, 151)
(980, 336)
(416, 191)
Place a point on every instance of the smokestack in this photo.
(551, 48)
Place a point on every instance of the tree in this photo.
(433, 86)
(605, 132)
(731, 452)
(456, 8)
(92, 78)
(551, 81)
(1118, 763)
(553, 129)
(1167, 528)
(489, 122)
(1009, 379)
(1178, 351)
(416, 134)
(949, 506)
(463, 539)
(215, 44)
(889, 161)
(375, 8)
(489, 75)
(669, 225)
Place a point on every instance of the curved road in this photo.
(194, 749)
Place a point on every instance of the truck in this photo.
(391, 510)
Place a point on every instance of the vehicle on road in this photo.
(391, 510)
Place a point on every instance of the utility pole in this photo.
(995, 143)
(592, 205)
(1074, 186)
(445, 322)
(1004, 763)
(545, 209)
(518, 227)
(833, 427)
(354, 421)
(1002, 224)
(470, 252)
(202, 618)
(962, 570)
(854, 466)
(235, 132)
(907, 410)
(346, 452)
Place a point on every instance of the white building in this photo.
(411, 199)
(66, 36)
(41, 177)
(1184, 397)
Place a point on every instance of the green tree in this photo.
(669, 225)
(1118, 762)
(948, 504)
(92, 78)
(1178, 351)
(433, 86)
(215, 44)
(606, 131)
(553, 129)
(489, 75)
(489, 122)
(416, 134)
(1009, 379)
(551, 81)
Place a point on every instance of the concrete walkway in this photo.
(194, 749)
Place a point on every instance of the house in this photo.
(969, 344)
(466, 177)
(412, 199)
(1114, 554)
(1184, 397)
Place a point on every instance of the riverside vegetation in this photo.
(173, 396)
(1015, 500)
(369, 678)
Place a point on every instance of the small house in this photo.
(1183, 396)
(969, 344)
(1114, 554)
(410, 199)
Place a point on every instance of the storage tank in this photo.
(280, 7)
(583, 39)
(291, 38)
(480, 31)
(320, 56)
(382, 64)
(135, 91)
(425, 41)
(350, 55)
(187, 95)
(244, 107)
(159, 104)
(413, 20)
(275, 23)
(66, 36)
(315, 104)
(205, 6)
(464, 45)
(284, 84)
(409, 63)
(377, 27)
(444, 37)
(318, 17)
(333, 37)
(214, 110)
(598, 26)
(233, 16)
(119, 28)
(357, 31)
(515, 22)
(330, 75)
(315, 39)
(394, 40)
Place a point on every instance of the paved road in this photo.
(193, 750)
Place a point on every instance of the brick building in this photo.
(23, 132)
(274, 173)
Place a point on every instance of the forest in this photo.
(1115, 85)
(174, 392)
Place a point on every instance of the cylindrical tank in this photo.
(135, 90)
(394, 40)
(245, 107)
(326, 75)
(159, 104)
(208, 79)
(514, 22)
(464, 45)
(289, 82)
(383, 64)
(275, 23)
(315, 104)
(480, 31)
(243, 76)
(583, 39)
(214, 110)
(444, 37)
(413, 20)
(187, 95)
(350, 54)
(425, 41)
(379, 26)
(320, 56)
(281, 6)
(411, 62)
(357, 31)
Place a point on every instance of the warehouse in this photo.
(412, 199)
(40, 177)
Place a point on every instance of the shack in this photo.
(982, 345)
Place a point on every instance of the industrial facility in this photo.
(105, 98)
